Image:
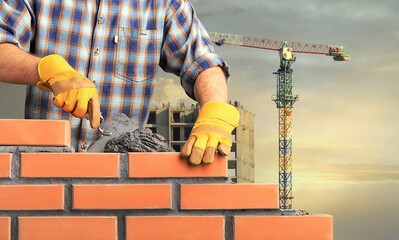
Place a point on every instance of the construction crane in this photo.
(284, 98)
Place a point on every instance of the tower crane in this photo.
(284, 98)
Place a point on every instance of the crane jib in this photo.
(276, 45)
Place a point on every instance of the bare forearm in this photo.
(17, 66)
(211, 86)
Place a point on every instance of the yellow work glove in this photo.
(211, 132)
(73, 92)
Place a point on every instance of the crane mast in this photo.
(284, 97)
(285, 100)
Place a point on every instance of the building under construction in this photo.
(175, 124)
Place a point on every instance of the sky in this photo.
(345, 133)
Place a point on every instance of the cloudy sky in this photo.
(345, 134)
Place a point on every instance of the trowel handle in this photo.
(100, 129)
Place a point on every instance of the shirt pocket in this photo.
(138, 54)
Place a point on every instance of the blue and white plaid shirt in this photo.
(117, 44)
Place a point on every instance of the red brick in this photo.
(78, 165)
(309, 227)
(229, 196)
(31, 197)
(29, 132)
(168, 165)
(5, 165)
(67, 228)
(175, 228)
(127, 196)
(5, 228)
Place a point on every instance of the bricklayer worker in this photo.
(92, 57)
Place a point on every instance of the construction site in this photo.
(316, 135)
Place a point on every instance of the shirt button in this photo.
(96, 52)
(100, 20)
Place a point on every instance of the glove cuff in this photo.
(53, 68)
(220, 110)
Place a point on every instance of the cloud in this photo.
(333, 174)
(328, 165)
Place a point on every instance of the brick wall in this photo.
(47, 191)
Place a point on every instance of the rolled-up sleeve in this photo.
(16, 23)
(187, 49)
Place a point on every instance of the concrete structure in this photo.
(175, 124)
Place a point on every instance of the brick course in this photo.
(48, 192)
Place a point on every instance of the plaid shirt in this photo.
(118, 44)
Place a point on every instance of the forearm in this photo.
(17, 66)
(211, 86)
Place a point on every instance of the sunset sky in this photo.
(345, 126)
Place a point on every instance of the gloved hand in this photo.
(211, 132)
(73, 92)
